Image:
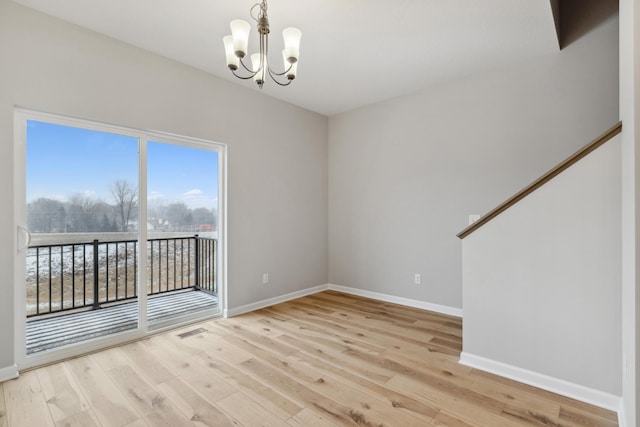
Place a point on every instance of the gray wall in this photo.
(277, 183)
(405, 174)
(542, 280)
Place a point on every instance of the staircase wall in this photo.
(542, 284)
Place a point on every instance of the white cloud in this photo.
(90, 194)
(194, 192)
(155, 195)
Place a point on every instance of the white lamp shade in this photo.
(232, 59)
(255, 62)
(240, 31)
(291, 69)
(292, 37)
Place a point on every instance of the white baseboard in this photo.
(545, 382)
(451, 311)
(8, 373)
(272, 301)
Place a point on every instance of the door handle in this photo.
(27, 233)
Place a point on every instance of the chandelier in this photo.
(235, 47)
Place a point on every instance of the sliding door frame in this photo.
(20, 237)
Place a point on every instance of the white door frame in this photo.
(21, 115)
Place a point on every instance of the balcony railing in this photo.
(70, 276)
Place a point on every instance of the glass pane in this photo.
(182, 218)
(82, 210)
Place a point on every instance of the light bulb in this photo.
(240, 31)
(290, 69)
(259, 66)
(232, 59)
(292, 37)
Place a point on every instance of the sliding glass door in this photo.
(118, 233)
(182, 230)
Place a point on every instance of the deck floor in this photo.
(53, 332)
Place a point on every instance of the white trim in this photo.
(222, 231)
(19, 219)
(272, 301)
(443, 309)
(545, 382)
(8, 373)
(622, 418)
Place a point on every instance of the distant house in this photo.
(206, 227)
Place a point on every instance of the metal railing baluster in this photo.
(192, 263)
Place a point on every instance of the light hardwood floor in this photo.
(323, 360)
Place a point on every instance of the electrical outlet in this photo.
(265, 278)
(417, 279)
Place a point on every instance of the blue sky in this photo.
(62, 161)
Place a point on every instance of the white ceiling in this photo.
(353, 52)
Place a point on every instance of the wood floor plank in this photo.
(209, 342)
(25, 402)
(262, 340)
(435, 382)
(355, 334)
(397, 400)
(198, 410)
(412, 315)
(111, 358)
(331, 397)
(466, 411)
(110, 405)
(305, 396)
(374, 327)
(575, 417)
(514, 399)
(273, 360)
(61, 391)
(373, 371)
(142, 360)
(308, 418)
(322, 360)
(372, 405)
(564, 402)
(81, 419)
(406, 333)
(265, 396)
(326, 330)
(299, 330)
(146, 399)
(209, 385)
(3, 408)
(237, 405)
(446, 420)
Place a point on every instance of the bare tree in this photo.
(125, 196)
(179, 215)
(46, 216)
(81, 213)
(202, 216)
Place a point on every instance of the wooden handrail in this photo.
(613, 131)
